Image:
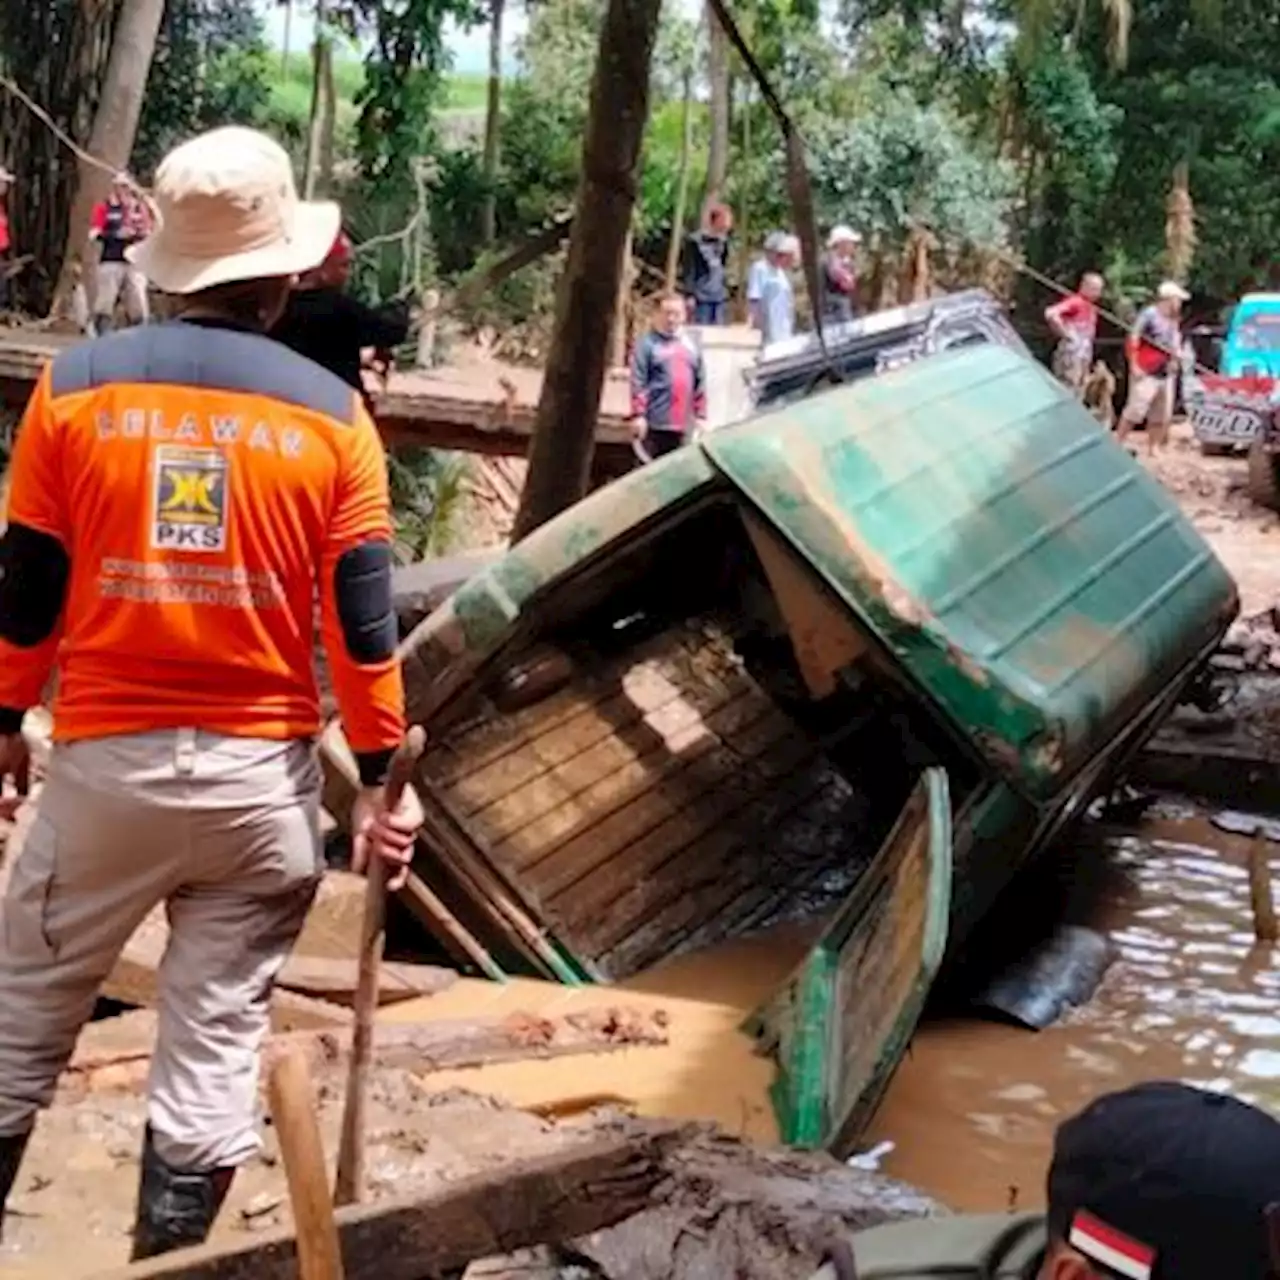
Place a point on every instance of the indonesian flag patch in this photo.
(1111, 1248)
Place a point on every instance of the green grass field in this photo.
(291, 90)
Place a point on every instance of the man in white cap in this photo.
(181, 494)
(770, 296)
(1154, 346)
(839, 276)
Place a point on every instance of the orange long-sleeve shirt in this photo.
(204, 483)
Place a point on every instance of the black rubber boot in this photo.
(175, 1208)
(12, 1148)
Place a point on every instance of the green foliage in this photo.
(428, 489)
(403, 83)
(1074, 137)
(909, 165)
(211, 67)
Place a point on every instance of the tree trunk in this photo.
(565, 428)
(622, 311)
(682, 186)
(718, 75)
(328, 120)
(492, 124)
(311, 169)
(115, 125)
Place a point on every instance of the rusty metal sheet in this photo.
(1021, 566)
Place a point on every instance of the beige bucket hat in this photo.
(228, 210)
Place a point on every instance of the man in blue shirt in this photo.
(770, 296)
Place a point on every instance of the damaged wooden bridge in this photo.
(482, 407)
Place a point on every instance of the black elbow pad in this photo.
(362, 589)
(34, 568)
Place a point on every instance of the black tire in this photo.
(1262, 485)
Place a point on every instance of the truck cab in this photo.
(1229, 409)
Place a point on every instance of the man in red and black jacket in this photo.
(326, 324)
(668, 383)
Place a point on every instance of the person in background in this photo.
(114, 227)
(6, 238)
(141, 225)
(323, 322)
(704, 272)
(1157, 1182)
(756, 273)
(1154, 347)
(773, 307)
(840, 276)
(668, 384)
(1073, 320)
(185, 498)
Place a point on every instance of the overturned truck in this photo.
(854, 662)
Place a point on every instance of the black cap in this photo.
(1170, 1182)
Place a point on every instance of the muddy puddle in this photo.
(1189, 995)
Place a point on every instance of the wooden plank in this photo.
(749, 884)
(559, 1197)
(335, 979)
(693, 882)
(543, 753)
(658, 769)
(671, 728)
(824, 637)
(486, 740)
(300, 996)
(121, 1062)
(655, 821)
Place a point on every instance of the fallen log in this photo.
(555, 1198)
(104, 1063)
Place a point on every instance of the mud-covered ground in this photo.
(723, 1208)
(1228, 742)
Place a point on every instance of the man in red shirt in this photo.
(118, 222)
(1153, 347)
(1074, 322)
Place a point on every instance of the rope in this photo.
(70, 143)
(116, 172)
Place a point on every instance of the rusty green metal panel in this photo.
(1033, 579)
(840, 1024)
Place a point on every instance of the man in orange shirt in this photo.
(181, 494)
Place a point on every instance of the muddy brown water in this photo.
(1190, 995)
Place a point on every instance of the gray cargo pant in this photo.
(226, 833)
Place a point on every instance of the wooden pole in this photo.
(349, 1182)
(293, 1112)
(1264, 907)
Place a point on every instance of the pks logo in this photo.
(190, 504)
